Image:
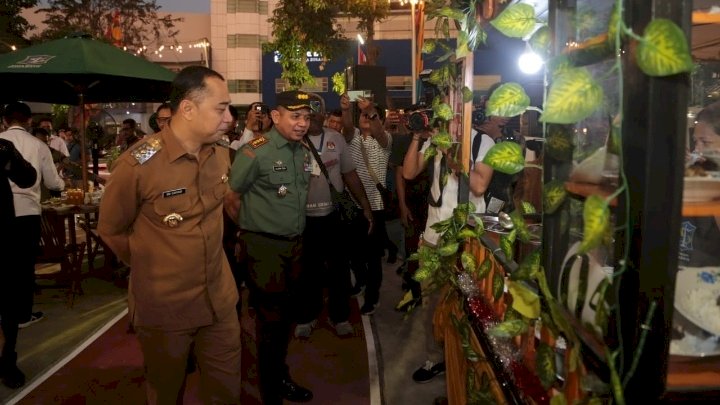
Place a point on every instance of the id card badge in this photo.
(315, 168)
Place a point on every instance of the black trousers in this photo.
(366, 254)
(19, 248)
(274, 265)
(325, 262)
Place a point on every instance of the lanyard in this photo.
(322, 142)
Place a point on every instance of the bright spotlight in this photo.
(360, 39)
(530, 63)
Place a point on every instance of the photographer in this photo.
(442, 200)
(257, 122)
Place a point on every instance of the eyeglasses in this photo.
(162, 119)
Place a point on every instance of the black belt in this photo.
(275, 237)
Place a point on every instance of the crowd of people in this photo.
(266, 197)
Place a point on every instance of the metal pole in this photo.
(413, 45)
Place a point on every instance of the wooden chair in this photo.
(54, 248)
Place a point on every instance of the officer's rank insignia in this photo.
(173, 220)
(148, 149)
(279, 166)
(258, 142)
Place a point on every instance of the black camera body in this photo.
(420, 120)
(262, 109)
(478, 116)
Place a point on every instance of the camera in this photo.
(478, 116)
(420, 120)
(262, 109)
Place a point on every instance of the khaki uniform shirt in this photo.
(180, 277)
(272, 177)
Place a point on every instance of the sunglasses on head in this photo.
(315, 105)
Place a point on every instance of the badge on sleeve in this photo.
(331, 145)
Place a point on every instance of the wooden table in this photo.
(60, 244)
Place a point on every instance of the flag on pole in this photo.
(361, 57)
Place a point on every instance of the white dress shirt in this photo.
(27, 200)
(246, 137)
(59, 145)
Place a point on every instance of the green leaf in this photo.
(663, 51)
(527, 207)
(545, 365)
(466, 233)
(509, 329)
(573, 97)
(444, 112)
(450, 12)
(554, 195)
(508, 100)
(484, 268)
(507, 243)
(559, 142)
(540, 41)
(449, 249)
(468, 262)
(428, 46)
(430, 152)
(523, 233)
(558, 399)
(442, 140)
(596, 217)
(505, 157)
(460, 214)
(467, 94)
(338, 81)
(559, 65)
(524, 300)
(498, 285)
(528, 268)
(516, 21)
(462, 48)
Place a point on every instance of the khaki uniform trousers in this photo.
(217, 349)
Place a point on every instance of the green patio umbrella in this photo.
(77, 70)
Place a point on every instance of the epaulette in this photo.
(258, 142)
(146, 150)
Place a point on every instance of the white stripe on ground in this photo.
(373, 372)
(47, 374)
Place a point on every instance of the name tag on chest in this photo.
(172, 193)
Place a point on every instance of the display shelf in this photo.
(689, 209)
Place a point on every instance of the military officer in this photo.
(162, 213)
(271, 174)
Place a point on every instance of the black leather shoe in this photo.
(293, 392)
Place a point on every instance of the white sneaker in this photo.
(344, 329)
(303, 330)
(34, 317)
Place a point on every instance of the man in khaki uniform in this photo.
(162, 214)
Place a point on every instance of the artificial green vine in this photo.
(573, 96)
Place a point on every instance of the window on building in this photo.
(244, 86)
(319, 86)
(245, 40)
(247, 6)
